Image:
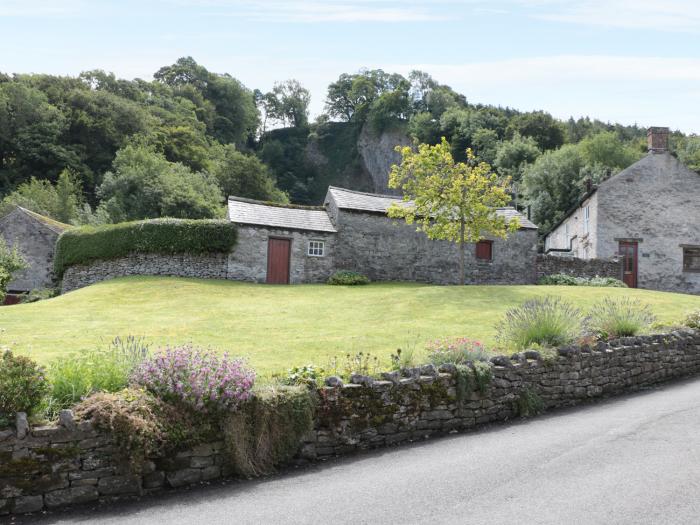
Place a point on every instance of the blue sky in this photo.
(631, 61)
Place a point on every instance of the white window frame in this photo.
(316, 248)
(586, 219)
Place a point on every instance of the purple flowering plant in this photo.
(198, 378)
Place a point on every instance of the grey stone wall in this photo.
(386, 249)
(248, 260)
(653, 202)
(656, 203)
(36, 243)
(210, 266)
(425, 401)
(550, 265)
(72, 462)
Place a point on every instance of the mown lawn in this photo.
(280, 326)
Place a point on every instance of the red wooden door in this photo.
(278, 251)
(628, 252)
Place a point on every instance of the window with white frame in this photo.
(586, 219)
(567, 241)
(317, 248)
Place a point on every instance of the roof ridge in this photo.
(50, 223)
(384, 195)
(276, 204)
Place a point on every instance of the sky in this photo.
(627, 61)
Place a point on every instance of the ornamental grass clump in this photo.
(456, 350)
(101, 370)
(196, 378)
(622, 317)
(545, 321)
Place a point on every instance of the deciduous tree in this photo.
(450, 200)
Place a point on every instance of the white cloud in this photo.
(666, 15)
(324, 11)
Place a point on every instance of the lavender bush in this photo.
(198, 378)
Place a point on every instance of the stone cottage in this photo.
(648, 214)
(35, 237)
(294, 244)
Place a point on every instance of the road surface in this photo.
(634, 459)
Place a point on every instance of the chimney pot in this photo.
(657, 139)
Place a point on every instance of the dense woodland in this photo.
(96, 149)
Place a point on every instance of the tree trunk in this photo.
(461, 252)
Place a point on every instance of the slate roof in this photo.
(248, 211)
(376, 203)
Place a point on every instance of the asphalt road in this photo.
(632, 460)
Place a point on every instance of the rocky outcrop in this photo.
(377, 152)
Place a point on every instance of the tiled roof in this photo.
(371, 202)
(246, 211)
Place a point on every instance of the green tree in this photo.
(607, 149)
(143, 184)
(288, 103)
(11, 261)
(541, 126)
(62, 201)
(223, 103)
(244, 176)
(449, 200)
(554, 183)
(513, 156)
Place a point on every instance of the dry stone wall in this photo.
(72, 462)
(210, 266)
(551, 265)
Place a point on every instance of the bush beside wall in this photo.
(157, 236)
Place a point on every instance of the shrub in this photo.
(267, 431)
(196, 378)
(622, 317)
(23, 385)
(692, 320)
(308, 375)
(103, 370)
(145, 426)
(39, 294)
(165, 236)
(346, 277)
(547, 321)
(11, 261)
(562, 279)
(457, 351)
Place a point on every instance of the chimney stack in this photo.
(657, 138)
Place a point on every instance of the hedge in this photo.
(164, 236)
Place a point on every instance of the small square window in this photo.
(316, 248)
(691, 258)
(484, 250)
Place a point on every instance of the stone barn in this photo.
(351, 231)
(35, 237)
(648, 215)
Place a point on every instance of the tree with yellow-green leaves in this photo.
(450, 200)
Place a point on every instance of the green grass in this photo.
(280, 326)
